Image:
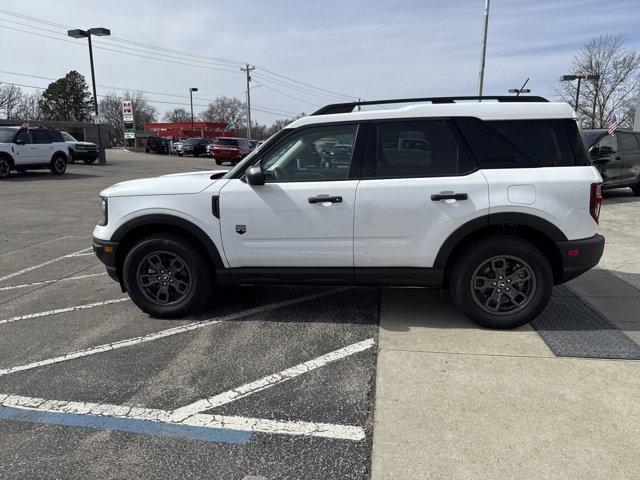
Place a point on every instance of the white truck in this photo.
(492, 198)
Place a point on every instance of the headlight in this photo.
(104, 207)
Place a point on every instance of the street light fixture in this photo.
(191, 90)
(572, 77)
(100, 32)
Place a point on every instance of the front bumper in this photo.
(106, 253)
(85, 154)
(578, 256)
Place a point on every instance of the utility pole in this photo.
(484, 47)
(636, 122)
(248, 70)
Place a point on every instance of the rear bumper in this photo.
(106, 253)
(578, 256)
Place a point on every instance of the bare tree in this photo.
(225, 109)
(618, 69)
(111, 111)
(177, 115)
(30, 107)
(10, 97)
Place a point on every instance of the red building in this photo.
(183, 129)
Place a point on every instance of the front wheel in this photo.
(502, 282)
(167, 276)
(58, 165)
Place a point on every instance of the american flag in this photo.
(614, 125)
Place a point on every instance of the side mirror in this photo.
(605, 150)
(254, 175)
(19, 142)
(594, 151)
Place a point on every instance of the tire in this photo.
(181, 155)
(487, 302)
(5, 167)
(167, 300)
(196, 155)
(89, 161)
(58, 165)
(218, 161)
(146, 150)
(636, 190)
(72, 157)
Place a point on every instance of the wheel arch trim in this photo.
(171, 221)
(495, 219)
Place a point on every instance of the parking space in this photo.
(264, 374)
(281, 382)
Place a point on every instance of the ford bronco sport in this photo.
(491, 197)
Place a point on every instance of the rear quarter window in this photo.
(520, 143)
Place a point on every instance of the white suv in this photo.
(493, 199)
(23, 148)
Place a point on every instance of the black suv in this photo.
(157, 145)
(195, 146)
(616, 156)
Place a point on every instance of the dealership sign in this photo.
(127, 117)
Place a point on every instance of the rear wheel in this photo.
(167, 276)
(5, 167)
(58, 165)
(502, 282)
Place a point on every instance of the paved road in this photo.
(272, 382)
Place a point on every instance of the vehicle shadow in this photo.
(619, 195)
(35, 175)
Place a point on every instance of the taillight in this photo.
(595, 200)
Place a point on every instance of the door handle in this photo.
(325, 198)
(449, 196)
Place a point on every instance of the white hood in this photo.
(174, 184)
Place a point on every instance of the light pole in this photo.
(571, 78)
(484, 47)
(100, 32)
(191, 90)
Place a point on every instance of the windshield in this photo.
(68, 138)
(591, 137)
(228, 141)
(191, 141)
(6, 134)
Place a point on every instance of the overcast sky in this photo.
(370, 49)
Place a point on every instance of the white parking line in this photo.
(47, 282)
(44, 264)
(70, 410)
(242, 391)
(63, 310)
(164, 333)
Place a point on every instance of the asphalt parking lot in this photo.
(274, 382)
(294, 364)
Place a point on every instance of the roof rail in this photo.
(349, 106)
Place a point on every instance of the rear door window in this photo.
(422, 148)
(40, 136)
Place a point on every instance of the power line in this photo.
(287, 95)
(297, 88)
(229, 62)
(151, 100)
